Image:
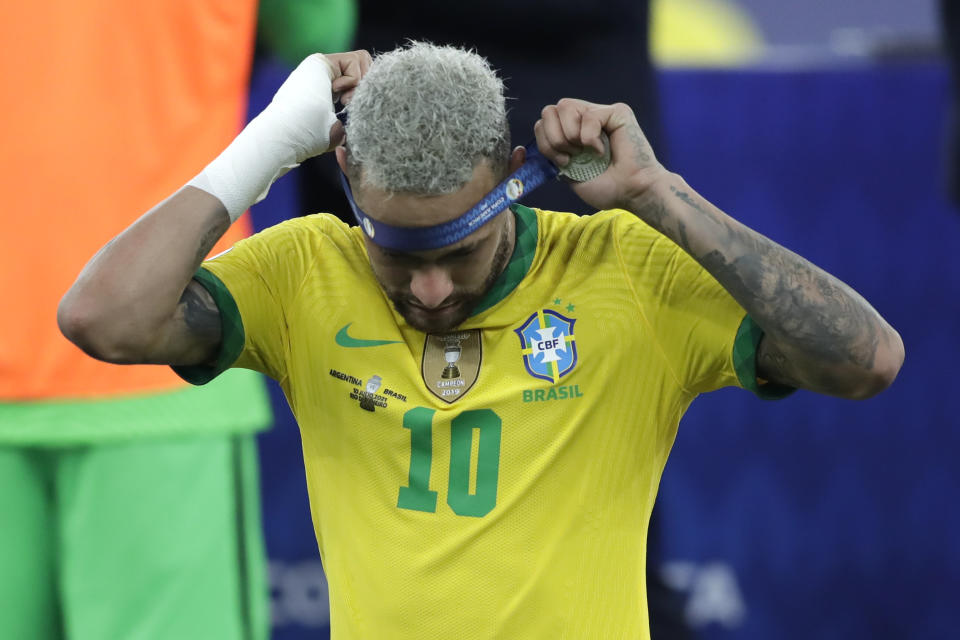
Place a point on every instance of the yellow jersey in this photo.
(495, 481)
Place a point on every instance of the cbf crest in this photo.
(451, 363)
(548, 345)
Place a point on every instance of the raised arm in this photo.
(136, 301)
(819, 334)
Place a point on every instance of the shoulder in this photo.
(614, 241)
(302, 239)
(610, 230)
(283, 255)
(303, 230)
(561, 224)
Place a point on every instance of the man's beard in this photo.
(465, 301)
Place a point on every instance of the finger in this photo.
(553, 130)
(570, 114)
(352, 68)
(339, 62)
(591, 127)
(344, 83)
(332, 67)
(365, 61)
(546, 148)
(347, 96)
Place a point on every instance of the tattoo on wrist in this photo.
(210, 238)
(683, 195)
(641, 145)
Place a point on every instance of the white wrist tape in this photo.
(294, 126)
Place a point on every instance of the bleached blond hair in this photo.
(423, 117)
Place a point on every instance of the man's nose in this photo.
(431, 286)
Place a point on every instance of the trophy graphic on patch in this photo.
(451, 363)
(451, 353)
(366, 399)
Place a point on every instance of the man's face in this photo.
(435, 291)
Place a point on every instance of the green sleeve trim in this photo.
(745, 362)
(232, 337)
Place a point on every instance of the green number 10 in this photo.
(417, 494)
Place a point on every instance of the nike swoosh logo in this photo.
(345, 340)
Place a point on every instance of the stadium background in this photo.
(812, 517)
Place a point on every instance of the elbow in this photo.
(891, 359)
(887, 363)
(81, 323)
(73, 324)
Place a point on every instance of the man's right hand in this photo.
(303, 107)
(299, 123)
(348, 69)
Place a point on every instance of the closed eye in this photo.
(410, 258)
(462, 252)
(402, 259)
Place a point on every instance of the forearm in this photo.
(121, 304)
(820, 333)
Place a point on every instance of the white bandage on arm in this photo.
(294, 126)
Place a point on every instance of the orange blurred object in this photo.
(93, 136)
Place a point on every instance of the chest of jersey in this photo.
(559, 373)
(521, 451)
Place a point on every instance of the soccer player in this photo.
(486, 405)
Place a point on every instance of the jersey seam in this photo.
(285, 335)
(248, 346)
(730, 350)
(288, 350)
(303, 277)
(643, 315)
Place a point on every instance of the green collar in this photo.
(523, 251)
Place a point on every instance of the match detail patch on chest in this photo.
(451, 363)
(548, 345)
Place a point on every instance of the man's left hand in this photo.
(572, 126)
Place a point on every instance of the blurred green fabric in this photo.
(293, 29)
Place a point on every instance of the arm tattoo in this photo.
(683, 195)
(774, 364)
(201, 316)
(210, 238)
(197, 309)
(824, 322)
(786, 294)
(644, 154)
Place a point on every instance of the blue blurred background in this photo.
(824, 126)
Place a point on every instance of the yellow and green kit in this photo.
(495, 481)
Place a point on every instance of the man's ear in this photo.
(341, 153)
(517, 156)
